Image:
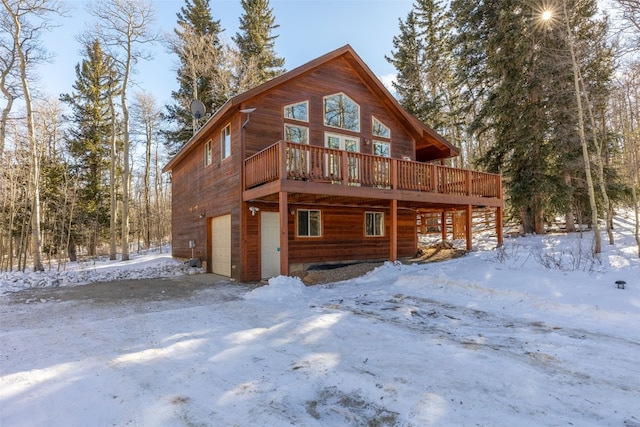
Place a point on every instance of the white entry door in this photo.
(221, 245)
(270, 244)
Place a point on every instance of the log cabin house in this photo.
(319, 165)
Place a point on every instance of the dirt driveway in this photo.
(118, 291)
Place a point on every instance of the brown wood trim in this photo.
(284, 233)
(393, 244)
(468, 226)
(499, 225)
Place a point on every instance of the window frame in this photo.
(309, 235)
(374, 119)
(378, 142)
(208, 157)
(292, 125)
(375, 214)
(324, 112)
(225, 150)
(284, 111)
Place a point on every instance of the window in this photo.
(382, 149)
(382, 168)
(379, 129)
(297, 159)
(297, 134)
(341, 112)
(299, 111)
(207, 153)
(225, 142)
(346, 143)
(374, 224)
(309, 224)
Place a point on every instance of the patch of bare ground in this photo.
(439, 252)
(331, 273)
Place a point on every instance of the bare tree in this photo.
(9, 80)
(631, 12)
(147, 115)
(625, 115)
(125, 26)
(28, 19)
(113, 180)
(201, 57)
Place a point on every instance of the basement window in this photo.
(374, 224)
(309, 223)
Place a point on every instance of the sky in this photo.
(308, 29)
(535, 333)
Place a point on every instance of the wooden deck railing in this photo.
(289, 160)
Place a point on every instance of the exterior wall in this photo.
(201, 193)
(342, 237)
(267, 122)
(208, 191)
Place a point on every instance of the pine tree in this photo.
(521, 71)
(423, 59)
(200, 52)
(508, 62)
(256, 44)
(407, 58)
(88, 139)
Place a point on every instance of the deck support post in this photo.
(468, 223)
(393, 241)
(284, 233)
(499, 225)
(443, 225)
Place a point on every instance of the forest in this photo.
(544, 92)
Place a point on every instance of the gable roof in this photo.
(429, 144)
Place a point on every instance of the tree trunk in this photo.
(127, 172)
(608, 209)
(597, 247)
(570, 221)
(528, 226)
(113, 202)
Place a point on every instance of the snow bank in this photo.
(279, 289)
(140, 266)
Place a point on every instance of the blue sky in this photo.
(308, 29)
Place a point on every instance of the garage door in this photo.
(221, 245)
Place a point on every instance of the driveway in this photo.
(138, 290)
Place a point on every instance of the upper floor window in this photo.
(299, 111)
(207, 153)
(225, 142)
(341, 112)
(297, 134)
(379, 129)
(381, 148)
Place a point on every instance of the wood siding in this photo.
(201, 192)
(267, 122)
(343, 237)
(232, 185)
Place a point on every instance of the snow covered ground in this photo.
(534, 333)
(141, 266)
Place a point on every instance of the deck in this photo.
(299, 168)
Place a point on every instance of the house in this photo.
(319, 165)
